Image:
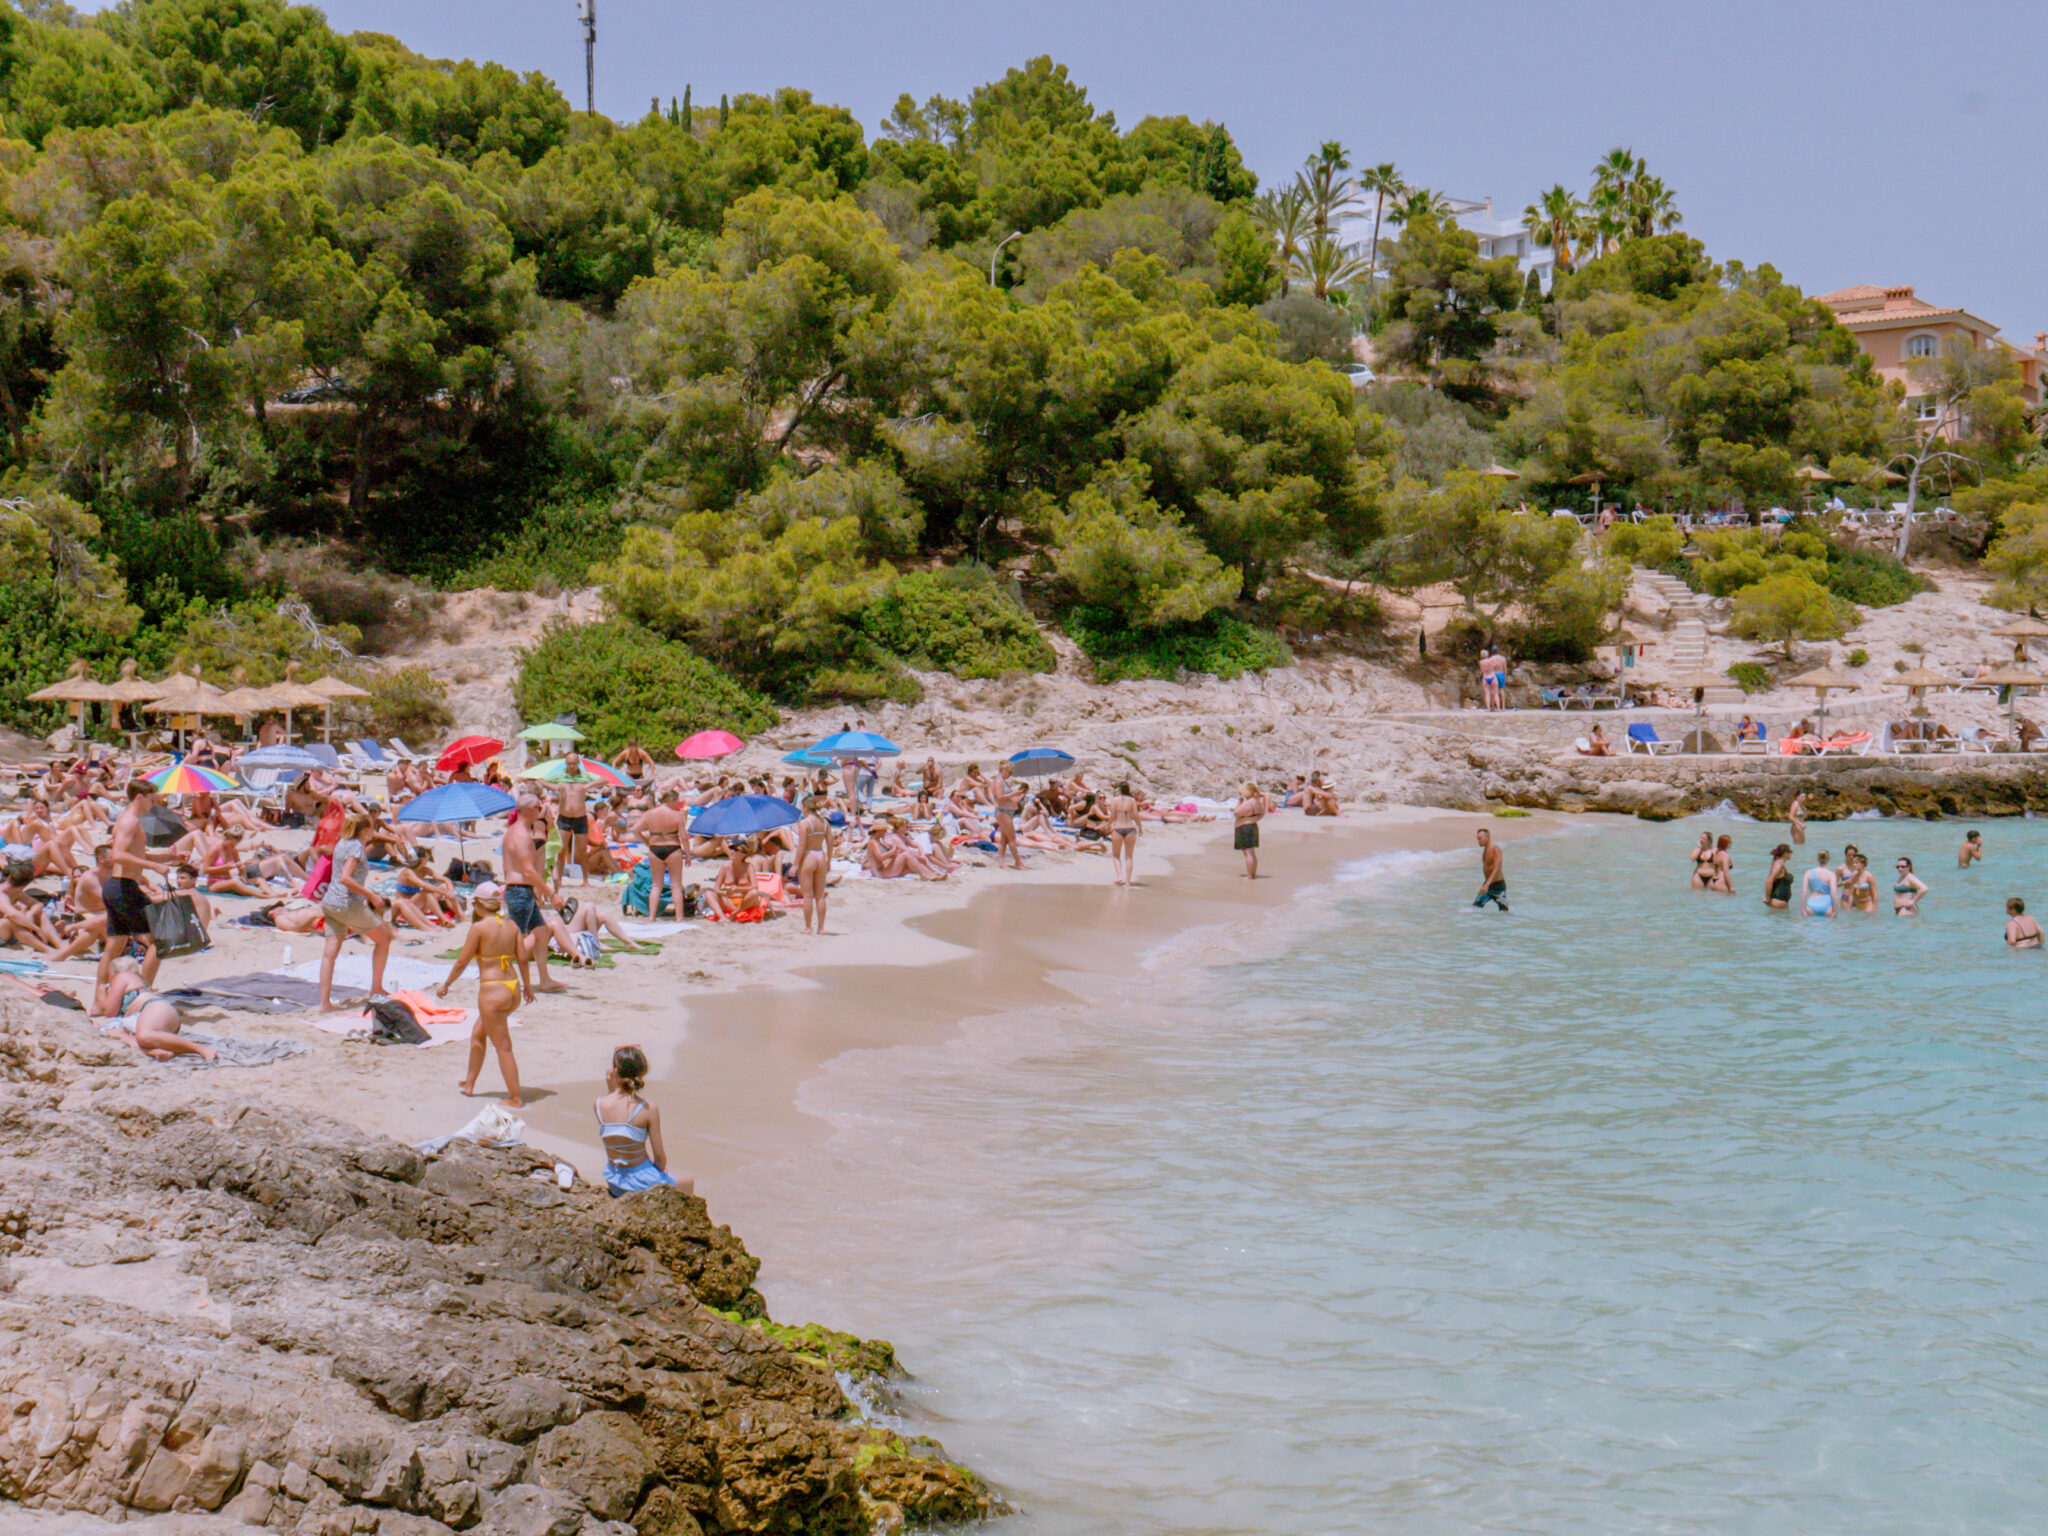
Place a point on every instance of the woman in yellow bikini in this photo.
(814, 862)
(493, 942)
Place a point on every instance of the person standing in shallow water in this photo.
(2021, 931)
(1972, 851)
(1796, 815)
(1492, 870)
(1246, 813)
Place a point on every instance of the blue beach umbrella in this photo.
(1040, 763)
(457, 803)
(281, 757)
(743, 816)
(857, 744)
(804, 757)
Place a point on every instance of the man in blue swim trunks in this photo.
(1492, 867)
(528, 900)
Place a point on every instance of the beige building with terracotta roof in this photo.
(1898, 330)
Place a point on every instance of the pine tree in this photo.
(1532, 294)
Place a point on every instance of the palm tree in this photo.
(1553, 221)
(1284, 216)
(1605, 221)
(1617, 168)
(1327, 264)
(1419, 202)
(1383, 182)
(1651, 207)
(1330, 192)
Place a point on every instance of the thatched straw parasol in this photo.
(292, 694)
(2012, 679)
(1499, 472)
(184, 695)
(1697, 683)
(331, 689)
(1812, 475)
(1918, 680)
(130, 689)
(75, 688)
(243, 701)
(2020, 631)
(1821, 679)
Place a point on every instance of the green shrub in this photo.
(1655, 543)
(624, 683)
(1858, 657)
(1871, 578)
(1225, 646)
(960, 620)
(1317, 608)
(554, 548)
(1750, 676)
(868, 674)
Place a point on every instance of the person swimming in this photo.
(1821, 892)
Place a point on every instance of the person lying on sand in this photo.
(154, 1021)
(588, 924)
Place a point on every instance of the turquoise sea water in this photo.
(1635, 1210)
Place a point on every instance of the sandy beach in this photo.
(736, 1019)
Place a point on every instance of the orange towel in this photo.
(429, 1010)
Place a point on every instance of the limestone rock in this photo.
(307, 1329)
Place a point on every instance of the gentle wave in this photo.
(1392, 864)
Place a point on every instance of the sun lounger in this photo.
(1836, 746)
(1554, 698)
(1756, 747)
(405, 752)
(1644, 738)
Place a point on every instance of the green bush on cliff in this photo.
(623, 682)
(960, 620)
(1221, 645)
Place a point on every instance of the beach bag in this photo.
(640, 888)
(394, 1024)
(317, 875)
(328, 833)
(175, 927)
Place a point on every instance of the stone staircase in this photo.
(1683, 648)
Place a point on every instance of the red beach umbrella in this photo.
(708, 744)
(471, 750)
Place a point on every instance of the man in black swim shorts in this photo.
(121, 890)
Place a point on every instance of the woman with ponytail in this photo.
(630, 1127)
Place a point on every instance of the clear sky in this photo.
(1868, 142)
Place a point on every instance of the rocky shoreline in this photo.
(238, 1318)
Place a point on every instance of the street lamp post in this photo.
(998, 251)
(586, 12)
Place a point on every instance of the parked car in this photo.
(1359, 374)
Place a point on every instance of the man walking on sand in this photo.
(121, 890)
(574, 820)
(1492, 869)
(528, 901)
(1253, 804)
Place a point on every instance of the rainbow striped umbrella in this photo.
(187, 779)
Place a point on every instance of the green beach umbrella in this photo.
(551, 732)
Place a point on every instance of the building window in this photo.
(1924, 407)
(1920, 346)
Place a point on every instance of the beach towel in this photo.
(646, 932)
(354, 969)
(258, 992)
(430, 1010)
(230, 1052)
(754, 915)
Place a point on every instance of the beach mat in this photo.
(230, 1052)
(258, 992)
(402, 973)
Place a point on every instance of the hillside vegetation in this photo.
(296, 314)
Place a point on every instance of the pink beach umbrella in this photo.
(708, 744)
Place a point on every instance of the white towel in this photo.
(646, 932)
(402, 973)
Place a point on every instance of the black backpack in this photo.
(395, 1024)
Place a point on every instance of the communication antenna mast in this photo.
(586, 12)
